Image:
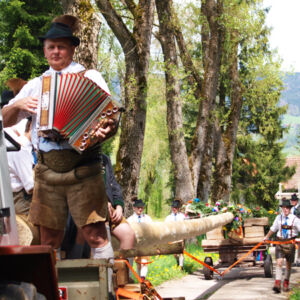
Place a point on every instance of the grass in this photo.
(295, 294)
(164, 267)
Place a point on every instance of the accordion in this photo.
(74, 107)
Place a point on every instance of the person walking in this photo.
(176, 215)
(286, 226)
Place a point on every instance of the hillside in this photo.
(291, 96)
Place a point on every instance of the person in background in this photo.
(296, 211)
(140, 217)
(176, 215)
(20, 165)
(20, 162)
(286, 226)
(296, 207)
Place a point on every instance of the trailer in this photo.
(234, 246)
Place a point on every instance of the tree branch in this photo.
(117, 25)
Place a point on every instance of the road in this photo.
(240, 284)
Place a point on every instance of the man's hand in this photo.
(107, 130)
(115, 215)
(28, 104)
(10, 112)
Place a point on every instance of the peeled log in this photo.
(165, 232)
(149, 250)
(27, 232)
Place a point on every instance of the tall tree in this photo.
(135, 40)
(182, 174)
(212, 47)
(87, 52)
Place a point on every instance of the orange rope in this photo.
(201, 262)
(242, 258)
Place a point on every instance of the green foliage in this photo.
(295, 294)
(21, 23)
(259, 166)
(156, 165)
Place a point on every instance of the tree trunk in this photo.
(136, 48)
(87, 52)
(182, 175)
(226, 147)
(212, 48)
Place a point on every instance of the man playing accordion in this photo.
(64, 179)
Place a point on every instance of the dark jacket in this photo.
(113, 189)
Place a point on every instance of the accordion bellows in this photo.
(74, 107)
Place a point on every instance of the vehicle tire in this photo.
(208, 274)
(268, 266)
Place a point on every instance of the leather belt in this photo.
(62, 161)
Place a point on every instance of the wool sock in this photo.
(107, 253)
(278, 273)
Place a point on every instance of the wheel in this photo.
(268, 266)
(208, 274)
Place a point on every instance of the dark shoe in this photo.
(277, 286)
(111, 296)
(286, 285)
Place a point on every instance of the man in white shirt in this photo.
(176, 215)
(64, 179)
(139, 217)
(20, 165)
(286, 226)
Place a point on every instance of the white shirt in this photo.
(142, 218)
(33, 88)
(291, 221)
(20, 165)
(175, 217)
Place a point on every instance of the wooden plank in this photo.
(239, 250)
(254, 231)
(218, 243)
(256, 221)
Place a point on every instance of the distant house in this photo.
(286, 189)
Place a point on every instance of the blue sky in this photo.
(285, 37)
